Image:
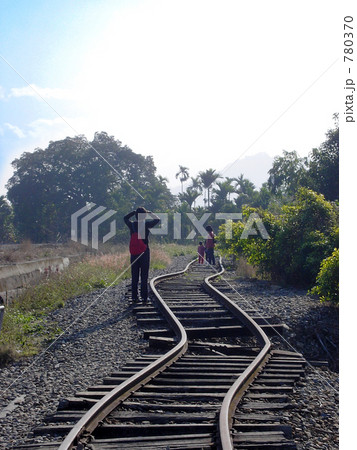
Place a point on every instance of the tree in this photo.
(323, 173)
(189, 196)
(222, 193)
(197, 186)
(196, 183)
(244, 186)
(288, 173)
(246, 192)
(208, 177)
(300, 237)
(7, 231)
(183, 175)
(48, 186)
(327, 281)
(264, 197)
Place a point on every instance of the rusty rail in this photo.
(2, 311)
(103, 407)
(238, 388)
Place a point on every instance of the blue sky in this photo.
(197, 83)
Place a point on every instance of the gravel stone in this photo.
(314, 332)
(106, 336)
(96, 342)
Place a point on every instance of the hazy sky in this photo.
(196, 83)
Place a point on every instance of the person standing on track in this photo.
(201, 253)
(139, 250)
(209, 245)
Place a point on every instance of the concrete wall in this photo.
(15, 277)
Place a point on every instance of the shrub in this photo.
(327, 281)
(300, 237)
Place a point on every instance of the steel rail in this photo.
(236, 391)
(2, 310)
(103, 407)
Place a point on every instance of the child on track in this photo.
(201, 253)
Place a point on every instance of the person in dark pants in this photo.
(209, 245)
(139, 249)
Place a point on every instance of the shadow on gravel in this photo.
(317, 333)
(80, 334)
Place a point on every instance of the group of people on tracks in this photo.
(139, 226)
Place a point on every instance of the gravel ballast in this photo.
(313, 331)
(97, 342)
(106, 336)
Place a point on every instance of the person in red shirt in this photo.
(209, 244)
(140, 259)
(201, 253)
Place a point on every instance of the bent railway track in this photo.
(210, 378)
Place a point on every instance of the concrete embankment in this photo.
(17, 276)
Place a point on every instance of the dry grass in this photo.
(24, 328)
(26, 251)
(108, 261)
(245, 270)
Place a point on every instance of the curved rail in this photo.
(237, 389)
(103, 407)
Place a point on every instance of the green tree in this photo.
(7, 231)
(182, 175)
(196, 183)
(246, 192)
(189, 196)
(323, 173)
(307, 236)
(264, 197)
(221, 196)
(327, 281)
(48, 186)
(208, 178)
(288, 173)
(197, 186)
(300, 237)
(244, 186)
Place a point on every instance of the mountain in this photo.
(254, 167)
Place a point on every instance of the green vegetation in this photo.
(298, 206)
(299, 209)
(25, 328)
(327, 281)
(69, 173)
(7, 229)
(300, 237)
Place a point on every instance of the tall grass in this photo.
(244, 269)
(25, 329)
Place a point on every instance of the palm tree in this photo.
(189, 196)
(183, 175)
(208, 177)
(245, 190)
(162, 180)
(196, 183)
(197, 186)
(244, 185)
(224, 189)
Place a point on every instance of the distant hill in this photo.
(254, 167)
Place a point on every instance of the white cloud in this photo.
(58, 128)
(35, 91)
(16, 130)
(37, 126)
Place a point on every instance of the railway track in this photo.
(209, 379)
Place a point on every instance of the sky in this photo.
(199, 83)
(194, 83)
